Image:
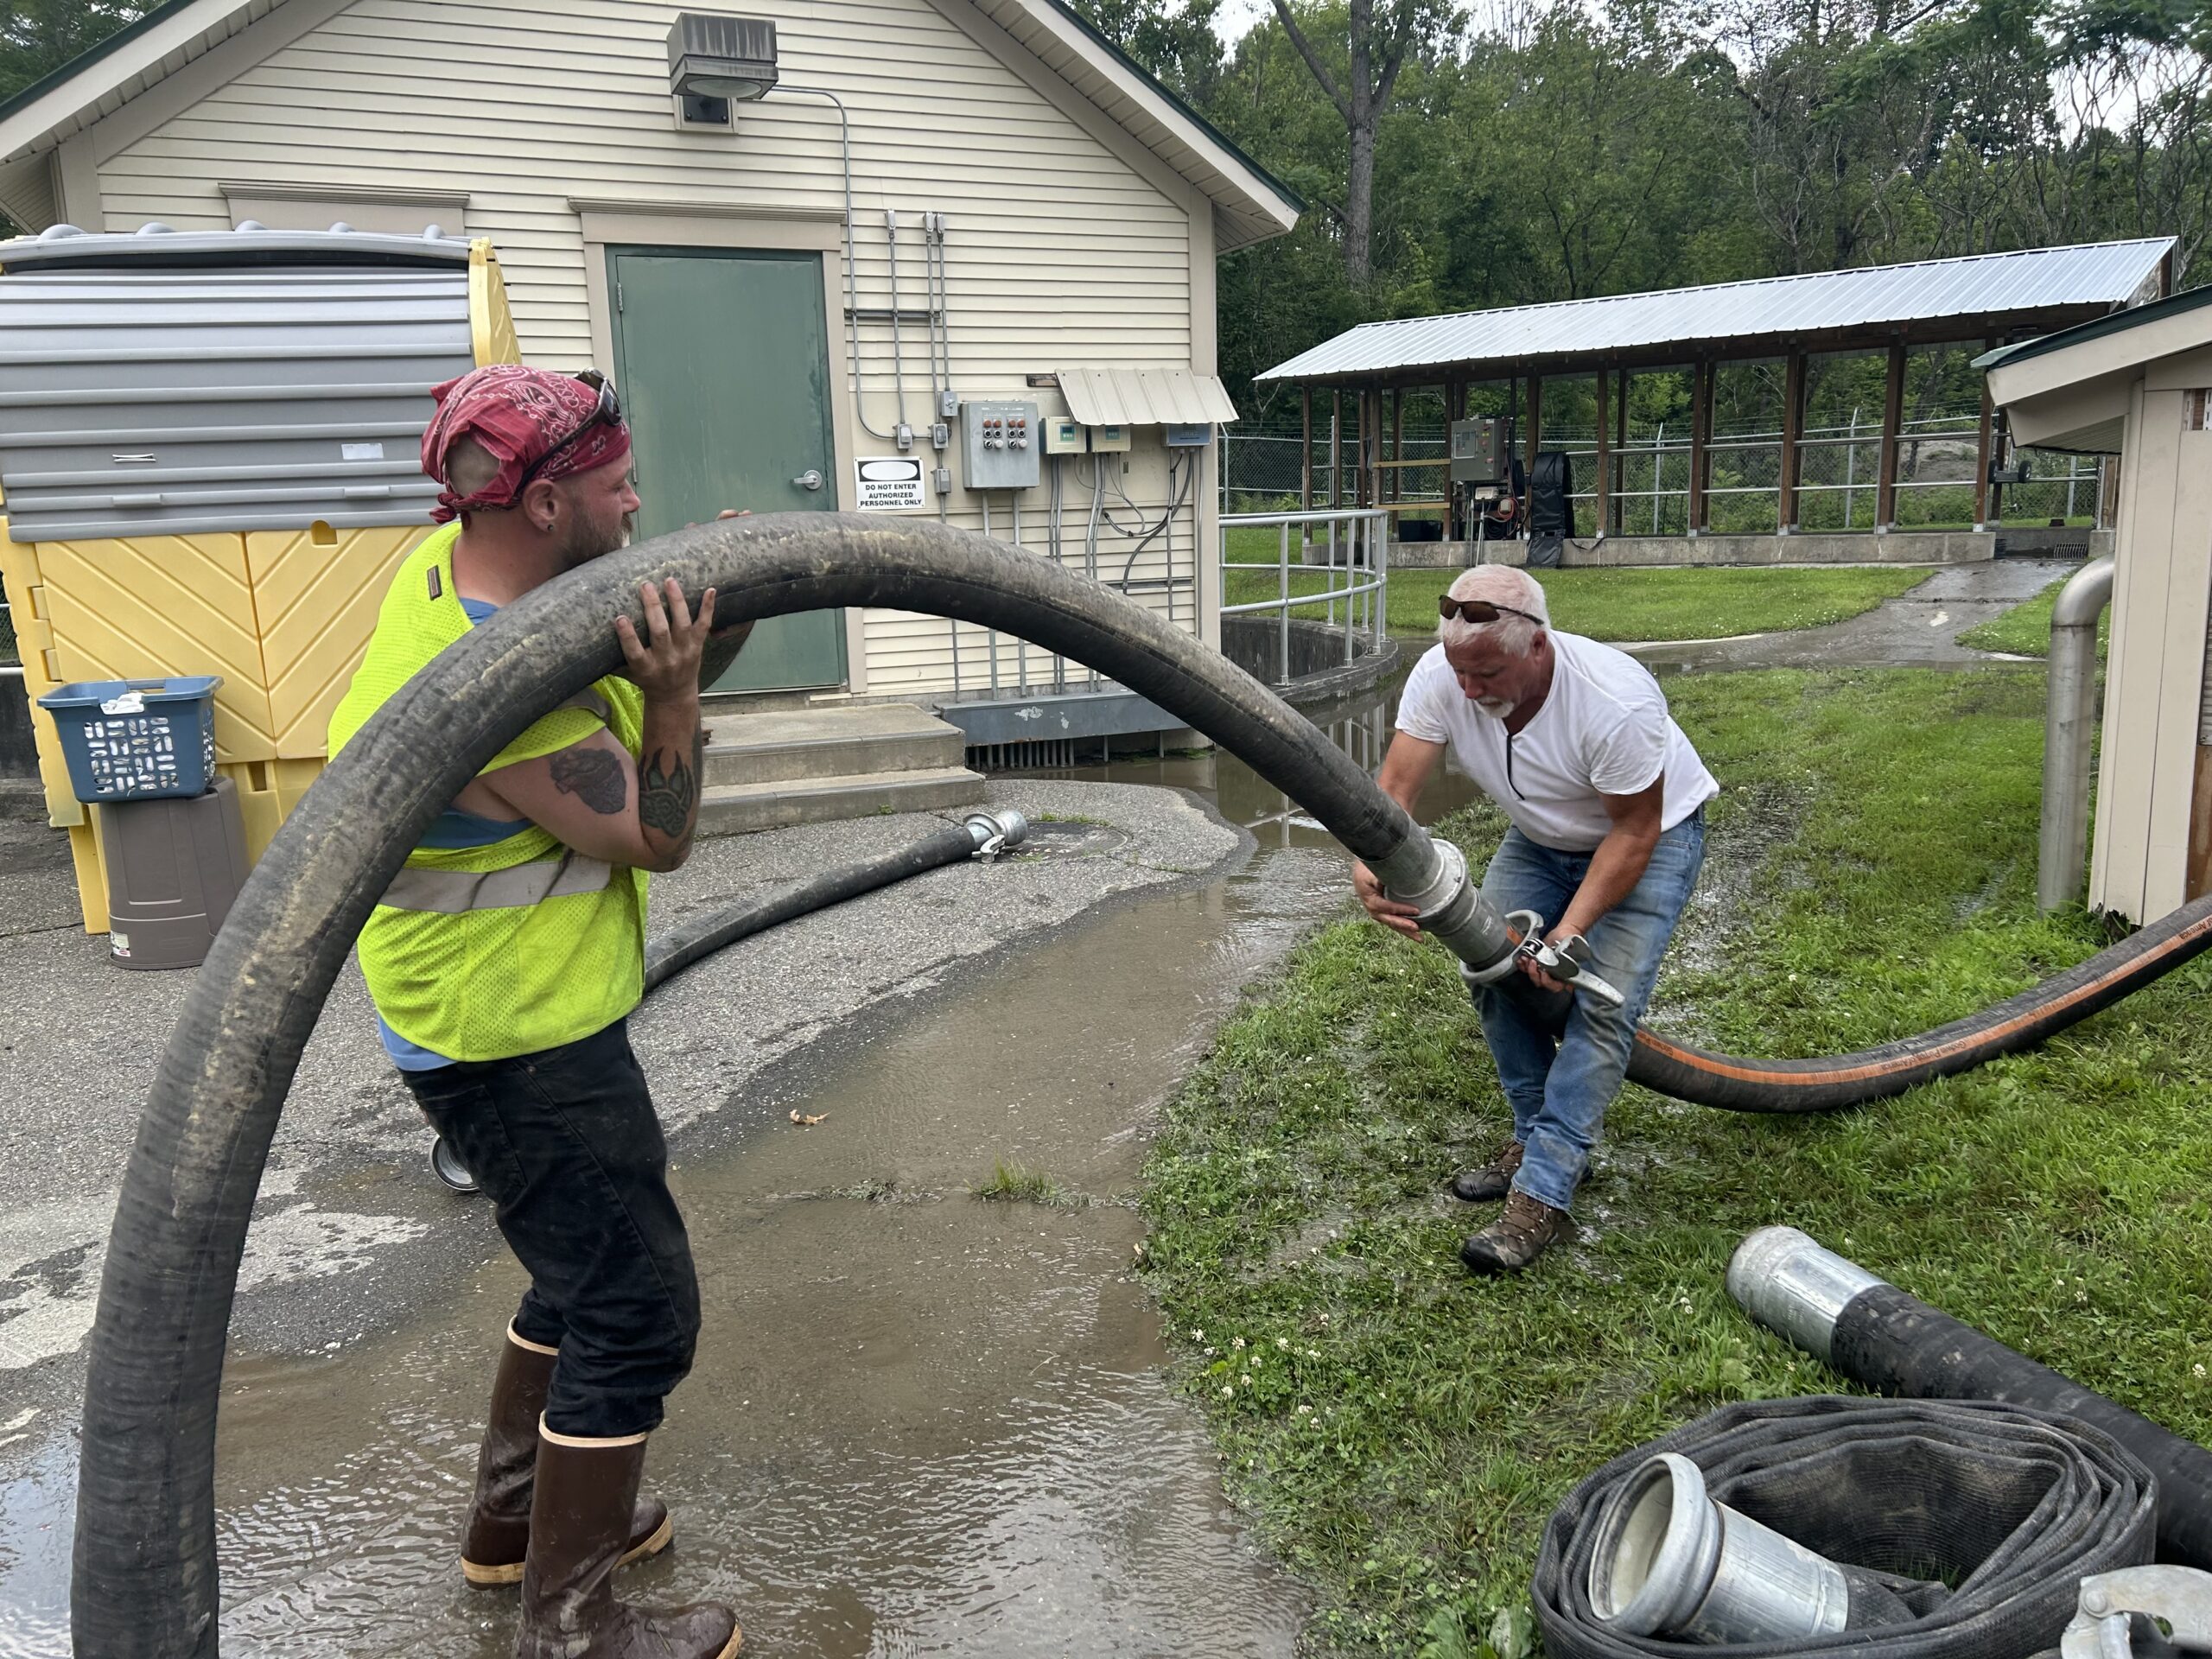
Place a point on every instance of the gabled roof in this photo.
(1785, 308)
(1249, 203)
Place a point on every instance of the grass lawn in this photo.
(1642, 603)
(2025, 630)
(1400, 1431)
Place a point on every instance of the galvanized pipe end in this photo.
(1001, 823)
(1672, 1563)
(1432, 876)
(1795, 1288)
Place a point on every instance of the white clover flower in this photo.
(2197, 1370)
(1254, 1361)
(1198, 1335)
(1239, 1343)
(1305, 1411)
(1282, 1342)
(1228, 1391)
(1312, 1353)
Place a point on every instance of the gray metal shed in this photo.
(175, 383)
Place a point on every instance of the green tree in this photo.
(38, 37)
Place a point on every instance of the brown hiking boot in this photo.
(497, 1535)
(579, 1529)
(1493, 1180)
(1524, 1232)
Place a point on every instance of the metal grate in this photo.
(1037, 754)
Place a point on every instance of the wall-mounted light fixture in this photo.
(712, 56)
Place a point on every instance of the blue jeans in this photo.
(1559, 1083)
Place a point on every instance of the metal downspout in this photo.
(2069, 725)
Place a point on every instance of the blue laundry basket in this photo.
(136, 740)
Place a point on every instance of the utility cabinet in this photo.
(210, 464)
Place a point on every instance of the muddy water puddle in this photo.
(922, 1421)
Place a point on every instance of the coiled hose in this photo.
(1963, 1527)
(145, 1580)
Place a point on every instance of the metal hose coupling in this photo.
(997, 831)
(1432, 876)
(1795, 1287)
(1673, 1564)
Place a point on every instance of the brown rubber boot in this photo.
(1525, 1231)
(1493, 1180)
(497, 1535)
(585, 1493)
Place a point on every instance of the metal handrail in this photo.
(1364, 549)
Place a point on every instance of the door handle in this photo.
(809, 479)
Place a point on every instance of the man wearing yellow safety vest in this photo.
(503, 961)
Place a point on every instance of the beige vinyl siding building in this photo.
(1084, 209)
(2139, 385)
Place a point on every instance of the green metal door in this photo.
(723, 363)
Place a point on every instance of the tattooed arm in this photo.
(592, 794)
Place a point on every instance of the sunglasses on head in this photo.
(1481, 610)
(608, 412)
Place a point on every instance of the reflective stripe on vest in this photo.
(452, 893)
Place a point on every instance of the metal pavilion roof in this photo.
(1778, 309)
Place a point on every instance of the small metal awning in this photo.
(1161, 396)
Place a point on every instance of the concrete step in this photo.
(784, 745)
(739, 808)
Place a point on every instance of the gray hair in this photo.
(1503, 585)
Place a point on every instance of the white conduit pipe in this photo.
(2069, 725)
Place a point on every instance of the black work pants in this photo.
(566, 1145)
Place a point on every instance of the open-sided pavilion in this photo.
(1793, 327)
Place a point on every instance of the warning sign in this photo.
(888, 484)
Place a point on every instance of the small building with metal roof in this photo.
(2138, 387)
(1784, 405)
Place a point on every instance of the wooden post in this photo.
(1536, 418)
(1617, 480)
(1336, 448)
(1793, 430)
(2196, 874)
(1455, 399)
(1397, 443)
(1701, 436)
(1305, 450)
(1375, 496)
(1886, 493)
(1981, 457)
(1602, 484)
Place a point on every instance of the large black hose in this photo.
(1962, 1528)
(671, 953)
(145, 1579)
(2021, 1022)
(1877, 1335)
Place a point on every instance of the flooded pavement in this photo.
(922, 1421)
(1918, 628)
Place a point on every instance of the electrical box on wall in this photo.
(1475, 458)
(1189, 437)
(1065, 436)
(999, 444)
(1109, 439)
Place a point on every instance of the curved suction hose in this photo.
(145, 1580)
(1824, 1085)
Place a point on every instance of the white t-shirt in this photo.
(1604, 730)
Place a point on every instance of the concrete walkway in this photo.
(1917, 629)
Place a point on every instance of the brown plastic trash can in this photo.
(173, 869)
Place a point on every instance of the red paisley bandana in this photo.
(520, 415)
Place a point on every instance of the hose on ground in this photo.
(1963, 1527)
(1825, 1085)
(1884, 1338)
(145, 1580)
(673, 952)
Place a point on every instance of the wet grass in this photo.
(2024, 631)
(1401, 1431)
(1014, 1183)
(1637, 604)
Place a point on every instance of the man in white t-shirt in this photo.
(1606, 797)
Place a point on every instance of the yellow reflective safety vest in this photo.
(480, 953)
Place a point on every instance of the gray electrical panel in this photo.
(1000, 443)
(1476, 457)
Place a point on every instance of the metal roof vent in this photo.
(712, 56)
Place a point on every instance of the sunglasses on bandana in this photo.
(608, 412)
(1481, 610)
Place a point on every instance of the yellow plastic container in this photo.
(283, 616)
